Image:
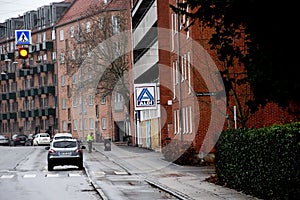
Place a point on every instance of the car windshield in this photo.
(45, 135)
(64, 144)
(2, 137)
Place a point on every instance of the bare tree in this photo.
(100, 53)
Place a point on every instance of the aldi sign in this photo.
(145, 96)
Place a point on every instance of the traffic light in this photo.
(23, 52)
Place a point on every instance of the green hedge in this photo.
(262, 162)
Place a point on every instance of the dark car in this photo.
(30, 138)
(65, 152)
(19, 139)
(4, 140)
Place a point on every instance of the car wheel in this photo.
(50, 167)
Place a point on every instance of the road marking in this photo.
(74, 175)
(120, 172)
(29, 176)
(7, 176)
(52, 175)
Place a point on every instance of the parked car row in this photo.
(32, 139)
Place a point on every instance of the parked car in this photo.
(4, 140)
(65, 152)
(41, 139)
(19, 139)
(31, 137)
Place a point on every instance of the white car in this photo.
(41, 139)
(62, 136)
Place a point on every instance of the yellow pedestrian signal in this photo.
(23, 53)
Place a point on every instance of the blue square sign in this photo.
(23, 37)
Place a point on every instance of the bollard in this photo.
(107, 144)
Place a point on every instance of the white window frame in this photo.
(64, 104)
(53, 36)
(75, 125)
(62, 57)
(189, 72)
(91, 100)
(72, 31)
(116, 24)
(63, 80)
(74, 101)
(88, 27)
(61, 35)
(64, 125)
(74, 79)
(92, 124)
(104, 121)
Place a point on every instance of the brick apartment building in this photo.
(60, 89)
(82, 107)
(183, 66)
(28, 96)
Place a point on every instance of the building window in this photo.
(68, 91)
(63, 83)
(73, 56)
(104, 127)
(91, 100)
(118, 102)
(92, 124)
(175, 122)
(189, 71)
(74, 101)
(88, 27)
(53, 35)
(69, 114)
(72, 31)
(74, 79)
(54, 56)
(64, 103)
(116, 24)
(64, 126)
(174, 78)
(62, 57)
(100, 23)
(103, 99)
(61, 35)
(75, 125)
(191, 119)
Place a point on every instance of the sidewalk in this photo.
(184, 182)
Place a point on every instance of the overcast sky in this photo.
(14, 8)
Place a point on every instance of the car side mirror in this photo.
(47, 147)
(83, 147)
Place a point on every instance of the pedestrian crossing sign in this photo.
(23, 37)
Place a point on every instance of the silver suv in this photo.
(65, 152)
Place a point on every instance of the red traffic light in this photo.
(23, 53)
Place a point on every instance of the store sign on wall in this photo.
(145, 96)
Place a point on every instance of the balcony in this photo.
(25, 72)
(7, 96)
(47, 90)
